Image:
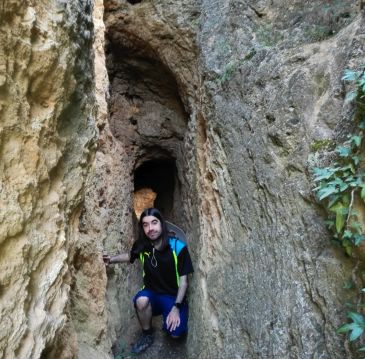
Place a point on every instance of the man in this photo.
(166, 264)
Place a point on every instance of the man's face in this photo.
(152, 227)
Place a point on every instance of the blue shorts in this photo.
(162, 305)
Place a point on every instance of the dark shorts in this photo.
(161, 305)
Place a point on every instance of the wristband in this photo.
(178, 305)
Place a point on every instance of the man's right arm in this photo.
(119, 258)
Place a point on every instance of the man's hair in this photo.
(143, 239)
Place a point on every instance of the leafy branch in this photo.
(338, 187)
(355, 328)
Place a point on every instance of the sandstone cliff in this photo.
(47, 138)
(226, 98)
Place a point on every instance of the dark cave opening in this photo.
(133, 2)
(159, 176)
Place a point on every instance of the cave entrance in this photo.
(148, 120)
(154, 186)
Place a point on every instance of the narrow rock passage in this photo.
(148, 120)
(157, 181)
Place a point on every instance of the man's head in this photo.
(152, 224)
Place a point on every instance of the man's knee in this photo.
(142, 303)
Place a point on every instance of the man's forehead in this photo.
(149, 219)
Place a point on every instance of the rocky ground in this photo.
(163, 346)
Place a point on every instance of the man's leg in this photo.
(144, 312)
(144, 305)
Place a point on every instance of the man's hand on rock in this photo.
(106, 259)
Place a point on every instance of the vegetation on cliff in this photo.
(341, 188)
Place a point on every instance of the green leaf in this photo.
(356, 140)
(323, 173)
(358, 181)
(358, 238)
(346, 199)
(343, 151)
(356, 318)
(347, 327)
(339, 207)
(356, 332)
(343, 186)
(348, 249)
(347, 234)
(350, 75)
(356, 226)
(326, 191)
(362, 194)
(340, 221)
(337, 183)
(350, 96)
(333, 199)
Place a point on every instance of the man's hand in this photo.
(173, 319)
(106, 259)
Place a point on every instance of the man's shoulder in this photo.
(176, 244)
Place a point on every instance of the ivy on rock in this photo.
(340, 185)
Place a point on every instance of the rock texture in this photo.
(226, 99)
(260, 82)
(47, 137)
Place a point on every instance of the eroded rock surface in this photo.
(47, 136)
(227, 98)
(260, 82)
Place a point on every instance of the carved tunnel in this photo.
(148, 119)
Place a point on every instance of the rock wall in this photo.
(273, 284)
(229, 96)
(47, 140)
(260, 83)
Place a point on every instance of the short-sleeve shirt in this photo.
(162, 277)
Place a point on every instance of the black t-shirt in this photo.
(162, 278)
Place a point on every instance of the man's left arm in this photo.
(173, 319)
(183, 286)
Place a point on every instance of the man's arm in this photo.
(119, 258)
(173, 319)
(183, 286)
